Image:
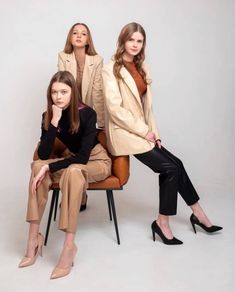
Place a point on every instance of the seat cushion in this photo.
(111, 182)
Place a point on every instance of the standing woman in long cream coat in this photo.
(130, 129)
(80, 58)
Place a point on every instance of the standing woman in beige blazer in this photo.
(80, 58)
(130, 129)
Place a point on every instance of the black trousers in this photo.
(173, 179)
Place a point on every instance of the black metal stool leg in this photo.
(108, 200)
(53, 198)
(56, 203)
(110, 194)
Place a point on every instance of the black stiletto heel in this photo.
(83, 206)
(157, 229)
(194, 221)
(153, 234)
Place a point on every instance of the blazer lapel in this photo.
(130, 82)
(71, 64)
(88, 67)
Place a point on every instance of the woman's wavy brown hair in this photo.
(125, 34)
(89, 49)
(75, 102)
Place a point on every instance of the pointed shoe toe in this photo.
(195, 221)
(60, 272)
(25, 262)
(156, 229)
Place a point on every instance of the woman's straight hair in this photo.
(89, 49)
(68, 79)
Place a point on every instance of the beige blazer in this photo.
(92, 93)
(126, 121)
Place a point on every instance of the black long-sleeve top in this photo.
(80, 143)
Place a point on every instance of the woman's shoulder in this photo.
(98, 58)
(64, 55)
(109, 65)
(86, 111)
(145, 66)
(44, 115)
(147, 71)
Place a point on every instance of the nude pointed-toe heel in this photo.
(29, 261)
(60, 272)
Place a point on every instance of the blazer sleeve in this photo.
(97, 94)
(153, 126)
(117, 113)
(150, 114)
(61, 63)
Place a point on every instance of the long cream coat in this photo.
(126, 121)
(92, 93)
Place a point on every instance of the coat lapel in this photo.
(130, 82)
(88, 67)
(71, 64)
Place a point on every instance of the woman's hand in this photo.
(39, 177)
(151, 137)
(158, 143)
(56, 115)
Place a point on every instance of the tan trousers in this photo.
(73, 181)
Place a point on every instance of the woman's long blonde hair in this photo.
(89, 49)
(125, 34)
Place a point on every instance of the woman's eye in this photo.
(64, 91)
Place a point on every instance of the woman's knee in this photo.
(176, 165)
(74, 168)
(173, 169)
(179, 163)
(37, 164)
(77, 172)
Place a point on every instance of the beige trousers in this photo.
(73, 181)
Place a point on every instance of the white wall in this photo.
(190, 50)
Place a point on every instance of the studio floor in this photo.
(203, 263)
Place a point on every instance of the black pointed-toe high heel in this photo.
(194, 221)
(157, 229)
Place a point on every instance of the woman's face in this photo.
(79, 37)
(134, 45)
(61, 94)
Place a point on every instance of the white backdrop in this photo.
(190, 50)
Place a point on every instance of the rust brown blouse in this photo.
(79, 78)
(139, 81)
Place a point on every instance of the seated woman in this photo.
(131, 129)
(74, 124)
